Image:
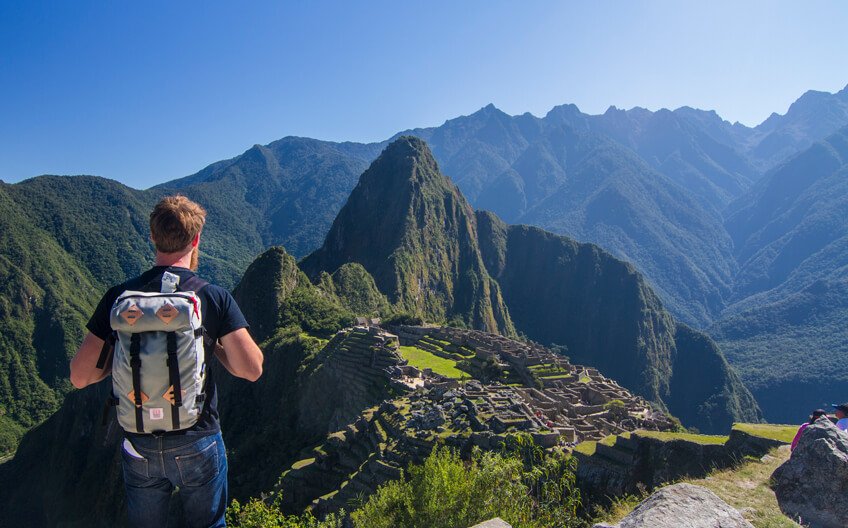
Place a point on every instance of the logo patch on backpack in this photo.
(169, 395)
(132, 314)
(157, 413)
(167, 313)
(131, 396)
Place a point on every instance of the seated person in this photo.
(818, 413)
(841, 416)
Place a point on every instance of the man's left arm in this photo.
(84, 369)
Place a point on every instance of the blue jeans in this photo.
(197, 465)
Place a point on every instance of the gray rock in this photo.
(682, 506)
(497, 522)
(813, 484)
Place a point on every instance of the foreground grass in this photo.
(423, 359)
(745, 488)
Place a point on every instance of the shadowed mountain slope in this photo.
(562, 292)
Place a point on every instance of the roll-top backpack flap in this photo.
(158, 366)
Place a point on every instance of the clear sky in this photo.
(143, 91)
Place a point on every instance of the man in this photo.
(193, 459)
(841, 416)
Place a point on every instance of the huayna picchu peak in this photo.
(415, 233)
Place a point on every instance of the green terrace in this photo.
(424, 359)
(781, 433)
(445, 349)
(549, 371)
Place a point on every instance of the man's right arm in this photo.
(240, 355)
(84, 369)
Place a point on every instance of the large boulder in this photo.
(813, 484)
(682, 506)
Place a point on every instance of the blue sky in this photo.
(147, 91)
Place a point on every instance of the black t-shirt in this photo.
(221, 315)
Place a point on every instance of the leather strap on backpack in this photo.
(135, 363)
(174, 374)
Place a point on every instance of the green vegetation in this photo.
(257, 514)
(528, 489)
(354, 287)
(423, 359)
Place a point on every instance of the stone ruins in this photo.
(510, 387)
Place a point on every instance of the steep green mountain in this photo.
(562, 292)
(355, 288)
(288, 191)
(413, 231)
(45, 299)
(787, 327)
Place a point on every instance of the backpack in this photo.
(159, 364)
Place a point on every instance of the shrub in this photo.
(523, 485)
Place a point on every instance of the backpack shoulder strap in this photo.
(193, 283)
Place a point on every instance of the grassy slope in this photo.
(745, 488)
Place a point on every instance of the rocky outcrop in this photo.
(813, 484)
(682, 505)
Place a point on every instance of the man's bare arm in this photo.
(84, 369)
(240, 355)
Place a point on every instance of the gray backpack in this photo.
(158, 365)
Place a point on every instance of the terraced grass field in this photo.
(423, 359)
(696, 438)
(781, 433)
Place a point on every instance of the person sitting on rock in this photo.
(841, 416)
(818, 413)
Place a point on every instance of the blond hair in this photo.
(174, 223)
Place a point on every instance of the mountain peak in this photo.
(413, 231)
(490, 110)
(405, 161)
